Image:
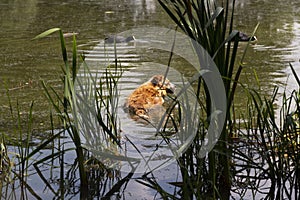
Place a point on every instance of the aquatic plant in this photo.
(262, 159)
(15, 164)
(267, 156)
(87, 110)
(68, 100)
(211, 25)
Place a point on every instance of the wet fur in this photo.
(148, 96)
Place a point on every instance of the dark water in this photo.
(278, 35)
(24, 63)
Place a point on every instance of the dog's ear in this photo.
(156, 80)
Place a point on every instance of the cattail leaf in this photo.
(46, 33)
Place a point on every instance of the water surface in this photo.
(24, 63)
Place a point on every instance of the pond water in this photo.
(24, 63)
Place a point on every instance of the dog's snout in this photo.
(171, 88)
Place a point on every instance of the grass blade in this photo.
(46, 33)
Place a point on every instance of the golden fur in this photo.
(149, 95)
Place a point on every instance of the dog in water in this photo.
(149, 96)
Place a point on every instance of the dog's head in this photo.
(163, 83)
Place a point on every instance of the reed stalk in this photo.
(272, 142)
(90, 111)
(68, 101)
(211, 25)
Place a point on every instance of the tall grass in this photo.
(264, 162)
(68, 100)
(68, 104)
(87, 109)
(15, 165)
(211, 25)
(269, 151)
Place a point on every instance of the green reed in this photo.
(211, 25)
(264, 161)
(68, 100)
(268, 142)
(15, 164)
(87, 109)
(101, 110)
(272, 142)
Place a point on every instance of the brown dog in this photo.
(149, 95)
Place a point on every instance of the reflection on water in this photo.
(140, 140)
(23, 63)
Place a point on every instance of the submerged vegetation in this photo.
(257, 155)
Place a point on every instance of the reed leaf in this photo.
(68, 100)
(206, 22)
(46, 33)
(295, 74)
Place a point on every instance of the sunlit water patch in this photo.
(140, 140)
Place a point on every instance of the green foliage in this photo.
(272, 141)
(268, 138)
(67, 105)
(211, 25)
(68, 101)
(87, 108)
